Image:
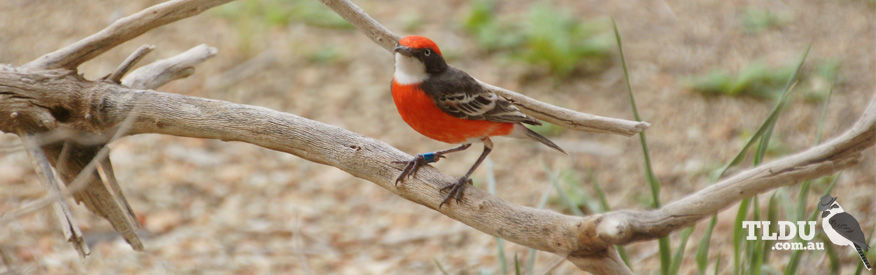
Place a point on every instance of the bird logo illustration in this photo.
(447, 104)
(841, 228)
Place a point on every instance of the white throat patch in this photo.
(409, 70)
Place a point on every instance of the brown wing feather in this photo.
(460, 95)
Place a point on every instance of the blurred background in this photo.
(705, 75)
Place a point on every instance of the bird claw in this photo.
(412, 166)
(456, 190)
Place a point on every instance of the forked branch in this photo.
(582, 238)
(163, 71)
(121, 31)
(103, 107)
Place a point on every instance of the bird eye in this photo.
(834, 206)
(428, 52)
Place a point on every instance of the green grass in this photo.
(500, 243)
(572, 198)
(440, 267)
(679, 252)
(748, 257)
(766, 126)
(574, 195)
(252, 18)
(718, 264)
(605, 207)
(491, 34)
(763, 135)
(741, 213)
(327, 54)
(794, 261)
(819, 83)
(559, 41)
(547, 37)
(283, 13)
(756, 20)
(757, 80)
(761, 81)
(830, 250)
(665, 250)
(530, 263)
(757, 250)
(702, 256)
(803, 194)
(773, 217)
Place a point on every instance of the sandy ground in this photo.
(225, 207)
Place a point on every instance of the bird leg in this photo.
(457, 188)
(412, 166)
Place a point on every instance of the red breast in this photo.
(420, 112)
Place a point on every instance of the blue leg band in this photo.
(429, 157)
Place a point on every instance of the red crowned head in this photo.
(416, 55)
(419, 42)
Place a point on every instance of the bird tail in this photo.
(863, 257)
(522, 131)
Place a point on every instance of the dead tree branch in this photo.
(116, 76)
(99, 190)
(120, 31)
(69, 226)
(580, 237)
(163, 71)
(48, 95)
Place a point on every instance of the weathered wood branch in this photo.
(99, 190)
(160, 72)
(116, 76)
(65, 219)
(554, 114)
(582, 238)
(120, 31)
(47, 95)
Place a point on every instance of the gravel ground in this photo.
(226, 207)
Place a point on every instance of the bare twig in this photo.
(77, 184)
(550, 113)
(160, 72)
(129, 62)
(120, 31)
(55, 136)
(606, 262)
(97, 188)
(69, 226)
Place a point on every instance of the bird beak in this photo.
(403, 50)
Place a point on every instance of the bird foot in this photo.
(412, 166)
(456, 190)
